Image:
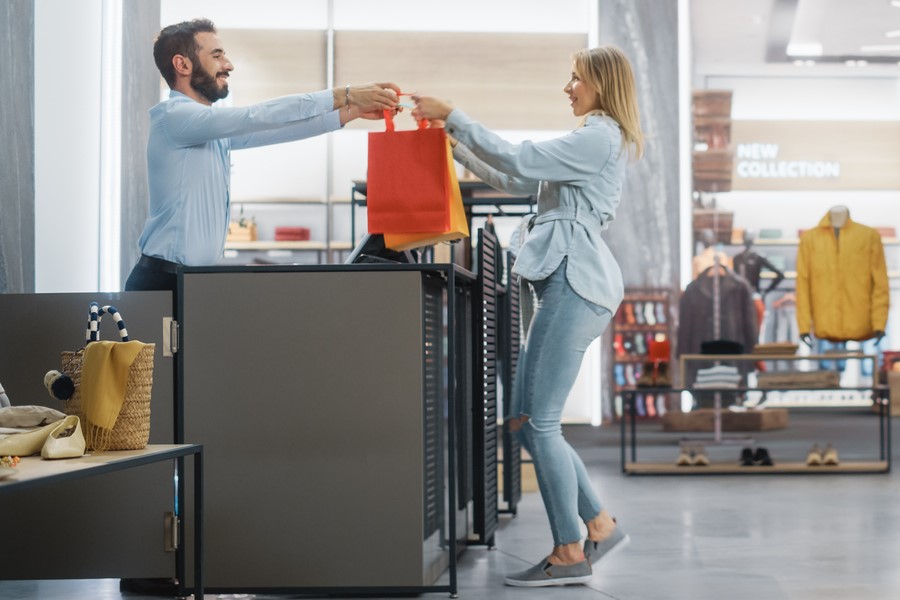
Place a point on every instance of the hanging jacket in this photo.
(696, 323)
(696, 311)
(842, 282)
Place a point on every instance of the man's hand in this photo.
(374, 96)
(356, 113)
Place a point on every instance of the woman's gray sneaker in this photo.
(545, 574)
(594, 551)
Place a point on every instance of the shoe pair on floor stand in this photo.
(827, 457)
(692, 456)
(755, 458)
(545, 574)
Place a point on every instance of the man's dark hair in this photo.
(179, 39)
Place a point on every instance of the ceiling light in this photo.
(892, 34)
(805, 49)
(895, 3)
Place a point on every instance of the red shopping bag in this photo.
(457, 230)
(408, 184)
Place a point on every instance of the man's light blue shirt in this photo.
(188, 156)
(578, 182)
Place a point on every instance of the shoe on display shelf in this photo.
(661, 313)
(639, 347)
(830, 456)
(638, 314)
(700, 459)
(761, 458)
(650, 400)
(649, 317)
(814, 457)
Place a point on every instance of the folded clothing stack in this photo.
(802, 380)
(291, 234)
(777, 348)
(717, 377)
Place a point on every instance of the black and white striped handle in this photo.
(96, 313)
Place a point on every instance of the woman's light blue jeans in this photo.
(563, 326)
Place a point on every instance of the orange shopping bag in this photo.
(458, 228)
(408, 185)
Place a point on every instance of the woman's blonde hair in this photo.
(608, 71)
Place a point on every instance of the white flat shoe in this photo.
(66, 440)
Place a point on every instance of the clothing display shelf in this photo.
(831, 357)
(629, 441)
(643, 316)
(282, 251)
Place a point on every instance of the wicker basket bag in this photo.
(131, 429)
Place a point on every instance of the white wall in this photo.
(67, 144)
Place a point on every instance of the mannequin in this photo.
(838, 220)
(707, 257)
(748, 264)
(839, 215)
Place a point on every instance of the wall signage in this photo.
(816, 155)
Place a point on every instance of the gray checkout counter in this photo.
(347, 413)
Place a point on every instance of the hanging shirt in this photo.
(842, 282)
(189, 162)
(578, 182)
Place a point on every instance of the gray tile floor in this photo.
(766, 537)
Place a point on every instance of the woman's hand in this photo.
(430, 108)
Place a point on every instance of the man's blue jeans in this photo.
(564, 325)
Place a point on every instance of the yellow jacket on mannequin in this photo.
(842, 283)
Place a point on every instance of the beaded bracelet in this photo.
(347, 97)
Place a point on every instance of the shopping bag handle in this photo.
(389, 122)
(389, 118)
(96, 313)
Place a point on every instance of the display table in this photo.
(33, 471)
(628, 439)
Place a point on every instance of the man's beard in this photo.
(207, 86)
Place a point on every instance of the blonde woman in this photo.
(578, 182)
